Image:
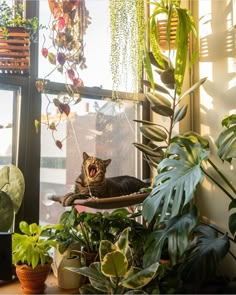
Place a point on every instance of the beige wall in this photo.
(217, 98)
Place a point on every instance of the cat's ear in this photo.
(107, 162)
(85, 156)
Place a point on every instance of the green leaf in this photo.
(157, 99)
(147, 150)
(204, 256)
(162, 110)
(140, 278)
(114, 264)
(106, 247)
(180, 113)
(6, 212)
(123, 241)
(176, 181)
(226, 143)
(232, 223)
(177, 228)
(153, 132)
(12, 183)
(193, 88)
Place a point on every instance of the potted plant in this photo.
(172, 14)
(16, 32)
(179, 159)
(115, 272)
(31, 256)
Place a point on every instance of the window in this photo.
(9, 122)
(95, 125)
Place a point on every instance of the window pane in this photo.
(96, 41)
(8, 125)
(100, 128)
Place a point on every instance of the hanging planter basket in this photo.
(15, 51)
(162, 34)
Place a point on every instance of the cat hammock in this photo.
(101, 203)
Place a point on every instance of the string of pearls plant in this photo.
(127, 28)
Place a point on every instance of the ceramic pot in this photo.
(68, 279)
(33, 280)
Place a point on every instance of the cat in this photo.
(92, 182)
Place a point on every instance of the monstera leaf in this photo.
(13, 184)
(177, 231)
(176, 181)
(204, 255)
(226, 142)
(6, 212)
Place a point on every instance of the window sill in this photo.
(51, 287)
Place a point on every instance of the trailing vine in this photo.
(127, 27)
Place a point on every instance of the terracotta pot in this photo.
(33, 280)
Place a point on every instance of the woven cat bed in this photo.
(101, 203)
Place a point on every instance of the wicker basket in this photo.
(162, 34)
(15, 52)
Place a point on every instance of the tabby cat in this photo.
(92, 181)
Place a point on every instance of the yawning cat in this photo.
(92, 181)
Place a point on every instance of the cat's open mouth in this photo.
(92, 170)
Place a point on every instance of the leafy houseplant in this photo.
(30, 255)
(185, 30)
(13, 17)
(115, 272)
(181, 162)
(88, 229)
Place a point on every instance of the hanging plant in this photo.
(69, 22)
(127, 26)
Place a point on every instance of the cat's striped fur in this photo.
(92, 182)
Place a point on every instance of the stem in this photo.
(222, 176)
(172, 117)
(217, 183)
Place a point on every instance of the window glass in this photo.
(8, 125)
(100, 128)
(96, 42)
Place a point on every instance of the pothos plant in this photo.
(69, 22)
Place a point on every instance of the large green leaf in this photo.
(177, 229)
(114, 264)
(176, 181)
(6, 212)
(93, 272)
(146, 149)
(153, 132)
(204, 255)
(12, 182)
(226, 143)
(140, 278)
(157, 99)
